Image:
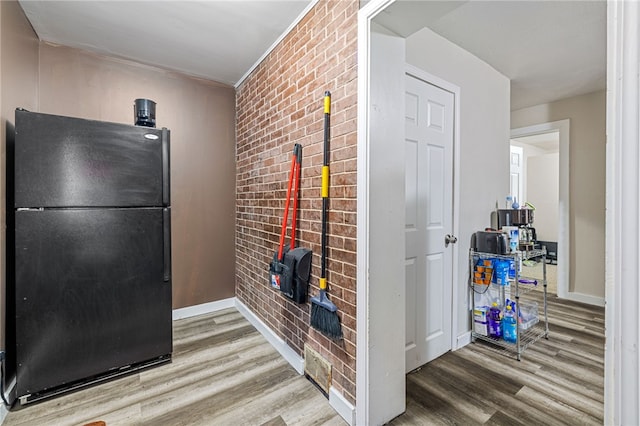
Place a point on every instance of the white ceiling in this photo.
(216, 40)
(549, 49)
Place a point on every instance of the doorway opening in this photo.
(535, 182)
(539, 141)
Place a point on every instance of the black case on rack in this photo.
(298, 262)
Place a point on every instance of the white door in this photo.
(517, 173)
(429, 218)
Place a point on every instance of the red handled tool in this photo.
(281, 274)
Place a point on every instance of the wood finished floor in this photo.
(225, 373)
(559, 381)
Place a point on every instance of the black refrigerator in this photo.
(89, 252)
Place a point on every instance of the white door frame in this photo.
(449, 87)
(564, 206)
(622, 296)
(380, 309)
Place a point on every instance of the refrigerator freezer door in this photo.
(91, 294)
(71, 162)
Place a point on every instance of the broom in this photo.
(324, 315)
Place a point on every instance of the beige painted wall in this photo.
(201, 117)
(586, 183)
(18, 86)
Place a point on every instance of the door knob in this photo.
(450, 239)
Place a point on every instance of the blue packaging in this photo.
(512, 268)
(501, 272)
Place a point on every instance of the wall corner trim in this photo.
(342, 406)
(463, 340)
(275, 43)
(204, 308)
(296, 361)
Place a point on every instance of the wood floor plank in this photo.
(204, 402)
(222, 382)
(481, 373)
(500, 418)
(573, 348)
(442, 410)
(277, 421)
(417, 414)
(561, 412)
(556, 378)
(581, 360)
(563, 392)
(437, 384)
(308, 408)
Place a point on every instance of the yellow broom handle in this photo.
(325, 181)
(323, 283)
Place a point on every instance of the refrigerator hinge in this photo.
(24, 399)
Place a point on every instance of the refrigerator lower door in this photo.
(91, 297)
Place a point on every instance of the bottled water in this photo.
(509, 325)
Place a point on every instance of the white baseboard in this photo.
(3, 413)
(463, 340)
(205, 308)
(296, 361)
(585, 298)
(342, 406)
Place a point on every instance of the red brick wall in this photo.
(279, 104)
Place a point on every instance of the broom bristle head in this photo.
(326, 321)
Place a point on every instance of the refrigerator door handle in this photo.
(166, 236)
(166, 200)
